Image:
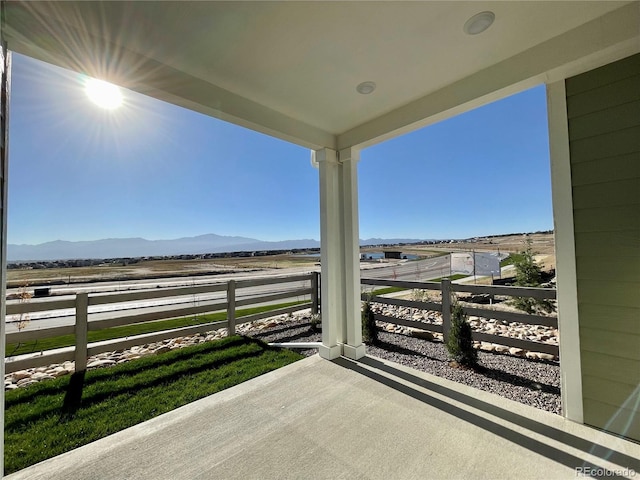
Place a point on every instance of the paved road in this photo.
(141, 284)
(418, 270)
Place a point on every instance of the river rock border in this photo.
(536, 333)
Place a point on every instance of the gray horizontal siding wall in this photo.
(603, 107)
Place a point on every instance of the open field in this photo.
(155, 269)
(542, 243)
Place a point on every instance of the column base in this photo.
(354, 353)
(330, 353)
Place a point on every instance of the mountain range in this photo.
(140, 247)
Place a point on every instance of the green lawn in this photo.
(386, 290)
(55, 416)
(457, 276)
(511, 259)
(137, 329)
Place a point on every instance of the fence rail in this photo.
(446, 288)
(82, 349)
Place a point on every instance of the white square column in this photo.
(330, 254)
(340, 254)
(353, 346)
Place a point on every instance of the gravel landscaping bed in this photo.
(532, 382)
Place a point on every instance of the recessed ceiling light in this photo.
(479, 23)
(365, 88)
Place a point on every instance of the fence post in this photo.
(445, 286)
(231, 308)
(81, 327)
(315, 298)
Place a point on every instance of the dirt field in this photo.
(542, 243)
(154, 268)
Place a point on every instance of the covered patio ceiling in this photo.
(290, 69)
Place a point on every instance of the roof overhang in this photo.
(290, 69)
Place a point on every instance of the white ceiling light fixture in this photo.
(479, 23)
(365, 88)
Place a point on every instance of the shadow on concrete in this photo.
(546, 450)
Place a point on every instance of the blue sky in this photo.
(153, 170)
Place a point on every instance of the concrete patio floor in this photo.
(369, 419)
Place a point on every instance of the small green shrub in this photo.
(369, 330)
(460, 341)
(529, 274)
